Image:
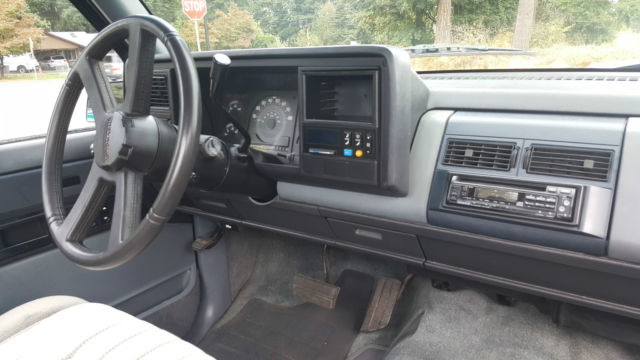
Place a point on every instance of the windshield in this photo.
(438, 34)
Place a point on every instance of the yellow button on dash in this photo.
(359, 153)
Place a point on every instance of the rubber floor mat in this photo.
(307, 331)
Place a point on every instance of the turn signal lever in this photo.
(220, 167)
(219, 65)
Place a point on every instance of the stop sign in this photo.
(194, 9)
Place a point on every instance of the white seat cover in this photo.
(95, 331)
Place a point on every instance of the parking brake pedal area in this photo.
(315, 291)
(382, 304)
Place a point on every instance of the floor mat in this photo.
(265, 331)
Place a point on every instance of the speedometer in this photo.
(271, 119)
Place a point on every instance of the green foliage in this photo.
(283, 18)
(549, 34)
(264, 40)
(493, 15)
(403, 23)
(16, 26)
(583, 21)
(59, 15)
(170, 10)
(334, 24)
(628, 14)
(275, 23)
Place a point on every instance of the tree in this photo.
(16, 27)
(58, 15)
(628, 14)
(334, 25)
(443, 22)
(402, 23)
(283, 18)
(585, 21)
(491, 15)
(524, 23)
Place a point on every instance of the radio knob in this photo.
(566, 202)
(561, 208)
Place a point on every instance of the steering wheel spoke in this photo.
(92, 196)
(127, 207)
(139, 71)
(99, 90)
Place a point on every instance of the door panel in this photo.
(167, 264)
(31, 266)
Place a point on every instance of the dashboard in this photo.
(521, 180)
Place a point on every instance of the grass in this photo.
(30, 77)
(623, 51)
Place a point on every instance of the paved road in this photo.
(26, 107)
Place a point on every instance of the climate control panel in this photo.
(340, 142)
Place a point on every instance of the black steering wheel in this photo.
(129, 143)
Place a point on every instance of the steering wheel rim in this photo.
(110, 167)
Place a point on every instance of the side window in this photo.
(36, 55)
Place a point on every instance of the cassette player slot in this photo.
(535, 201)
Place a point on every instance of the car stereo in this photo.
(537, 202)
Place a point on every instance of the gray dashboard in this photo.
(414, 221)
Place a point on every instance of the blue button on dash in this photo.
(348, 152)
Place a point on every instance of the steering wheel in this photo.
(129, 143)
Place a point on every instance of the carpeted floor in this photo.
(427, 323)
(466, 324)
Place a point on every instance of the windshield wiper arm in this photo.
(461, 50)
(634, 67)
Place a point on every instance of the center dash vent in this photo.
(160, 91)
(587, 164)
(482, 155)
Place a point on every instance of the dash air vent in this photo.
(159, 91)
(589, 164)
(482, 155)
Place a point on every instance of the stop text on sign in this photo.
(194, 9)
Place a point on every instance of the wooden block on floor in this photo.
(315, 291)
(382, 304)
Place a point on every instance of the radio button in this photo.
(347, 138)
(368, 143)
(552, 189)
(530, 197)
(540, 204)
(541, 198)
(357, 139)
(550, 206)
(551, 199)
(566, 191)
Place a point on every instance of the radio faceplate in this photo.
(557, 203)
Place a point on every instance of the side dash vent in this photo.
(482, 155)
(589, 164)
(160, 91)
